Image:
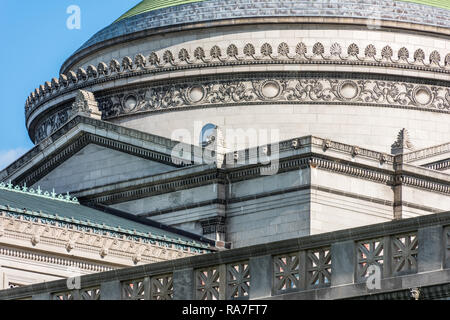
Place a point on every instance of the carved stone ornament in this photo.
(274, 90)
(234, 55)
(35, 229)
(86, 104)
(403, 143)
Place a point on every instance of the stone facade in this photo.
(280, 123)
(312, 177)
(321, 267)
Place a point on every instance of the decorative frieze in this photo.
(281, 90)
(53, 259)
(52, 123)
(117, 247)
(232, 56)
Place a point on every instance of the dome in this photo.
(149, 16)
(151, 5)
(351, 71)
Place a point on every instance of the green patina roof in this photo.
(150, 5)
(48, 207)
(444, 4)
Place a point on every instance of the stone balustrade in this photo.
(405, 254)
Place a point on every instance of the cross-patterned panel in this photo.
(238, 280)
(369, 253)
(208, 283)
(287, 273)
(90, 294)
(319, 267)
(133, 290)
(64, 296)
(83, 294)
(404, 253)
(162, 287)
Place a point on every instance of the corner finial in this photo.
(403, 143)
(85, 104)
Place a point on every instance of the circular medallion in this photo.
(422, 95)
(130, 102)
(196, 94)
(270, 89)
(348, 90)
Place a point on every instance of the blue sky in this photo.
(35, 43)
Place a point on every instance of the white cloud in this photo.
(9, 156)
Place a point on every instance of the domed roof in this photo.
(151, 15)
(151, 5)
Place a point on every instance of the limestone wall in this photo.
(98, 166)
(374, 128)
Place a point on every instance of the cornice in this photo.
(424, 153)
(307, 143)
(81, 138)
(158, 187)
(245, 89)
(234, 56)
(32, 255)
(314, 161)
(35, 173)
(52, 219)
(107, 248)
(441, 165)
(378, 167)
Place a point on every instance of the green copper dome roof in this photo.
(150, 5)
(160, 15)
(444, 4)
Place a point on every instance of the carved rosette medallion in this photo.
(348, 90)
(196, 94)
(270, 89)
(130, 102)
(280, 89)
(422, 95)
